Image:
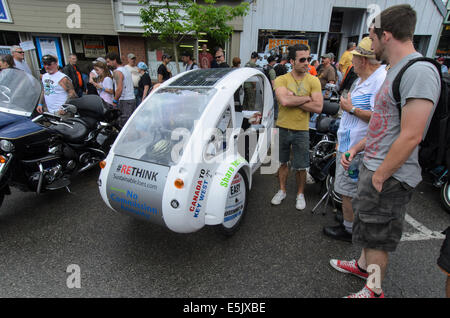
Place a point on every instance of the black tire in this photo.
(336, 197)
(445, 196)
(229, 228)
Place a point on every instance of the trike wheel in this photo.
(236, 205)
(445, 197)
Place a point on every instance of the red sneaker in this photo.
(350, 267)
(366, 292)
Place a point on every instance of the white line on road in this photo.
(425, 233)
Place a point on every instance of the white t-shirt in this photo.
(55, 95)
(107, 84)
(352, 129)
(128, 88)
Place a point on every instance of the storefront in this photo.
(59, 28)
(327, 26)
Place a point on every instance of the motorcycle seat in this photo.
(90, 123)
(72, 132)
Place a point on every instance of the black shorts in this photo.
(444, 259)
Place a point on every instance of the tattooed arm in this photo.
(66, 83)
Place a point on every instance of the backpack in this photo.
(435, 147)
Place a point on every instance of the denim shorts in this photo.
(379, 217)
(299, 141)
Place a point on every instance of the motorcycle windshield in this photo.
(19, 92)
(164, 121)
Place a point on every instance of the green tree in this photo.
(175, 20)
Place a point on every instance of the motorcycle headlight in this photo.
(6, 146)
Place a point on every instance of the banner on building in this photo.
(273, 43)
(5, 15)
(94, 48)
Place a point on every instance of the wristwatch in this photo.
(352, 111)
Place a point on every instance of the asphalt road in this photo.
(278, 252)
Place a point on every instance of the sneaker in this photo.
(309, 178)
(279, 197)
(366, 292)
(348, 268)
(338, 233)
(301, 203)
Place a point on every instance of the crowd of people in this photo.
(372, 131)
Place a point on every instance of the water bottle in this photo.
(353, 170)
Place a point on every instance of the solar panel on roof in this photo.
(206, 78)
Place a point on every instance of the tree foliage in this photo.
(174, 20)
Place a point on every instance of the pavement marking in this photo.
(424, 234)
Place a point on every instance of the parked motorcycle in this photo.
(441, 181)
(323, 132)
(45, 152)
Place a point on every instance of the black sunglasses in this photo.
(218, 57)
(20, 52)
(304, 59)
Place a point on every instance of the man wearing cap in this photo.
(327, 73)
(145, 83)
(357, 110)
(135, 75)
(57, 87)
(164, 72)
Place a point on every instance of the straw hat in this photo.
(364, 49)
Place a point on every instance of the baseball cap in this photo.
(166, 56)
(441, 59)
(131, 56)
(328, 56)
(364, 49)
(254, 55)
(48, 59)
(100, 59)
(142, 66)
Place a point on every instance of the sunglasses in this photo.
(218, 57)
(304, 59)
(20, 52)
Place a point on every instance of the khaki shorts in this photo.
(343, 184)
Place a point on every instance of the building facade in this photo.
(84, 27)
(329, 25)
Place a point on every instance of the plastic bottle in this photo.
(353, 170)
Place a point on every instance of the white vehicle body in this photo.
(169, 165)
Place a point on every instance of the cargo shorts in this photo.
(379, 217)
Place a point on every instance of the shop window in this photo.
(9, 38)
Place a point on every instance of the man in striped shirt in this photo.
(357, 110)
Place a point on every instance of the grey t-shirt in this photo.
(420, 81)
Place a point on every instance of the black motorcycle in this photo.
(323, 132)
(45, 152)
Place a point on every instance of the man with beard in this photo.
(390, 170)
(298, 93)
